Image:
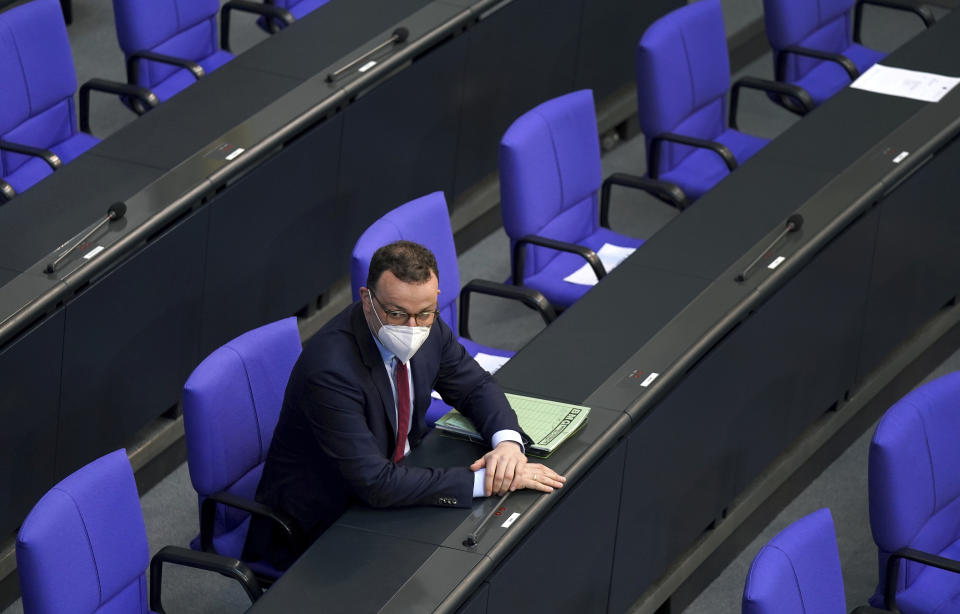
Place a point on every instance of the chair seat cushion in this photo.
(703, 168)
(183, 78)
(36, 169)
(934, 591)
(828, 78)
(549, 279)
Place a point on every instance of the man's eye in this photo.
(396, 314)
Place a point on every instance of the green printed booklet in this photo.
(548, 423)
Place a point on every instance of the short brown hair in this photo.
(409, 261)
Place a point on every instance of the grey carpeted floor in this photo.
(170, 508)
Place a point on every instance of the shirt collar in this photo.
(386, 354)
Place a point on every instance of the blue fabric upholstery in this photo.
(798, 571)
(36, 99)
(83, 548)
(683, 74)
(425, 221)
(549, 177)
(185, 29)
(824, 25)
(231, 403)
(915, 493)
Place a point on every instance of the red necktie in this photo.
(403, 409)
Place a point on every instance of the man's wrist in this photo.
(507, 435)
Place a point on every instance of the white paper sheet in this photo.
(610, 255)
(489, 362)
(925, 86)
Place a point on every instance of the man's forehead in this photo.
(396, 293)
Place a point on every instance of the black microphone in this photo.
(115, 212)
(398, 37)
(794, 223)
(474, 538)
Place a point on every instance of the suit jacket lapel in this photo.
(374, 362)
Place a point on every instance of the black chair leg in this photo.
(67, 6)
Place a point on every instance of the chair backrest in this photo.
(798, 571)
(37, 77)
(914, 482)
(182, 28)
(231, 403)
(550, 173)
(426, 221)
(816, 24)
(683, 74)
(83, 548)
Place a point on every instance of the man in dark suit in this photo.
(356, 402)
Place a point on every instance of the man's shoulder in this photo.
(336, 342)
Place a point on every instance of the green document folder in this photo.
(548, 423)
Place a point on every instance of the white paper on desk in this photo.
(610, 255)
(925, 86)
(489, 362)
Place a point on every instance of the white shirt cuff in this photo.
(478, 477)
(507, 435)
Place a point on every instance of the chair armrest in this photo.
(829, 56)
(6, 192)
(231, 568)
(52, 159)
(797, 93)
(519, 255)
(893, 571)
(145, 96)
(208, 512)
(269, 11)
(528, 296)
(718, 148)
(667, 192)
(133, 64)
(920, 11)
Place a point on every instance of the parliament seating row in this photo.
(914, 514)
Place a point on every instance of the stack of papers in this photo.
(610, 255)
(925, 86)
(548, 423)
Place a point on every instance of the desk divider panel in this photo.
(29, 401)
(276, 240)
(131, 338)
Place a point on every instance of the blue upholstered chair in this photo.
(426, 221)
(38, 120)
(812, 43)
(798, 572)
(169, 44)
(683, 73)
(915, 500)
(83, 548)
(231, 403)
(549, 178)
(297, 9)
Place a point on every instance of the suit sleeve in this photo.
(335, 413)
(464, 384)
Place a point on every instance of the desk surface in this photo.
(660, 304)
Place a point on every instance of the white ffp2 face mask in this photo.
(403, 341)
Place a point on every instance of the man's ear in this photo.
(365, 298)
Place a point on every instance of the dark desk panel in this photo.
(838, 132)
(398, 147)
(737, 213)
(583, 351)
(608, 41)
(29, 399)
(275, 242)
(311, 45)
(191, 120)
(914, 277)
(519, 56)
(390, 560)
(38, 221)
(936, 50)
(572, 547)
(131, 339)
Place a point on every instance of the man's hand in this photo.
(540, 477)
(504, 465)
